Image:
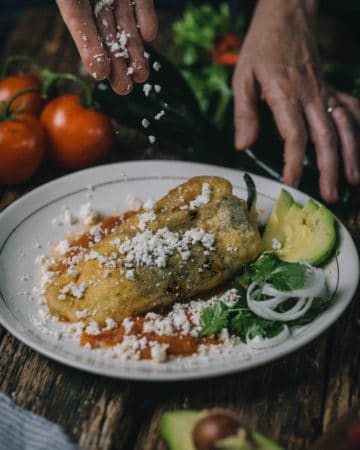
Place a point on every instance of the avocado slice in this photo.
(303, 233)
(274, 228)
(177, 431)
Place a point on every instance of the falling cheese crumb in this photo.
(147, 89)
(159, 115)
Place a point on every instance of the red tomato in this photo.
(31, 102)
(226, 50)
(77, 136)
(21, 148)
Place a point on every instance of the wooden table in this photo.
(292, 400)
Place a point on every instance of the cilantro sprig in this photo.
(237, 319)
(283, 275)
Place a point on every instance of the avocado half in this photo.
(294, 232)
(177, 427)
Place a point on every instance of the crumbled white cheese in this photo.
(145, 123)
(159, 115)
(203, 198)
(153, 249)
(62, 247)
(133, 203)
(147, 89)
(156, 66)
(157, 88)
(69, 218)
(46, 278)
(74, 289)
(130, 274)
(99, 5)
(149, 204)
(232, 249)
(159, 352)
(72, 271)
(82, 313)
(92, 328)
(130, 71)
(127, 323)
(275, 244)
(110, 323)
(146, 218)
(118, 46)
(146, 55)
(66, 218)
(152, 139)
(96, 232)
(87, 214)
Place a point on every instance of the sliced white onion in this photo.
(303, 298)
(297, 311)
(260, 343)
(315, 285)
(267, 313)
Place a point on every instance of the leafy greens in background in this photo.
(195, 35)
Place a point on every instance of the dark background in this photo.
(11, 9)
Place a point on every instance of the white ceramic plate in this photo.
(26, 229)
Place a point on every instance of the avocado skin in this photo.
(177, 426)
(306, 232)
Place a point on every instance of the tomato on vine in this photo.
(30, 102)
(21, 143)
(77, 136)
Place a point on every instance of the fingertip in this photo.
(242, 143)
(149, 32)
(245, 134)
(291, 177)
(329, 192)
(100, 75)
(141, 76)
(354, 176)
(122, 88)
(140, 70)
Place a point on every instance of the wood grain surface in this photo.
(293, 400)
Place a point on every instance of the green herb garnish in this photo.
(284, 276)
(239, 319)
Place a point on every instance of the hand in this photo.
(109, 35)
(280, 64)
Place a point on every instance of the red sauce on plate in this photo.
(179, 345)
(85, 240)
